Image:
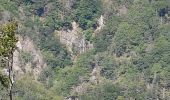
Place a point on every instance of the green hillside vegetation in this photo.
(132, 49)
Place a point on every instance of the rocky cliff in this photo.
(34, 65)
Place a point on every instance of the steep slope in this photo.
(35, 64)
(90, 49)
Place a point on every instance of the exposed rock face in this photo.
(73, 39)
(100, 23)
(80, 89)
(95, 75)
(27, 45)
(84, 86)
(95, 78)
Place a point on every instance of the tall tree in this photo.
(7, 46)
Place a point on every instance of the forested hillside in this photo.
(84, 49)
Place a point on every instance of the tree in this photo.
(86, 13)
(26, 88)
(7, 46)
(109, 66)
(103, 91)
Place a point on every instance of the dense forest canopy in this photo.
(125, 49)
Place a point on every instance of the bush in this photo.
(102, 40)
(87, 12)
(25, 57)
(67, 78)
(104, 91)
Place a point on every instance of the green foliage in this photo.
(104, 91)
(3, 92)
(7, 45)
(26, 57)
(7, 5)
(125, 2)
(102, 40)
(104, 37)
(7, 39)
(47, 77)
(112, 23)
(109, 66)
(27, 88)
(4, 80)
(88, 35)
(67, 78)
(127, 37)
(87, 12)
(86, 60)
(54, 53)
(133, 50)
